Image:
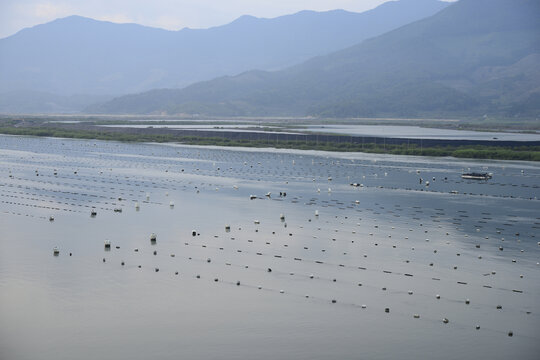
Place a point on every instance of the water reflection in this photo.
(308, 274)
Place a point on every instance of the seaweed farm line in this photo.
(139, 251)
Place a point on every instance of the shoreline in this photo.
(461, 149)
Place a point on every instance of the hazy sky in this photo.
(169, 14)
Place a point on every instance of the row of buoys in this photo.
(333, 301)
(445, 320)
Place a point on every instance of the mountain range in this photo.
(473, 58)
(77, 55)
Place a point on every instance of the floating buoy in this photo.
(445, 320)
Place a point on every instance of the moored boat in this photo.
(476, 176)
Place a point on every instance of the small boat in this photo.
(476, 176)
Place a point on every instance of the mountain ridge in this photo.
(464, 60)
(81, 55)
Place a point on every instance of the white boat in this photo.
(476, 176)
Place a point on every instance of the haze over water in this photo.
(303, 287)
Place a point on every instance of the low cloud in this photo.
(48, 10)
(116, 18)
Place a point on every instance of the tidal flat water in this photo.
(326, 270)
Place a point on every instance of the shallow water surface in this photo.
(371, 276)
(417, 132)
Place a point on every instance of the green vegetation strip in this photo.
(528, 153)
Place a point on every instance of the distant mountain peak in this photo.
(79, 55)
(475, 57)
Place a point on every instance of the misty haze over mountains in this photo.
(412, 58)
(44, 66)
(475, 57)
